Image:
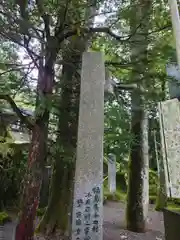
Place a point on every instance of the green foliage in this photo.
(4, 218)
(174, 207)
(152, 199)
(118, 196)
(116, 134)
(13, 168)
(153, 183)
(40, 212)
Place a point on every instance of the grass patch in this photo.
(174, 208)
(118, 196)
(174, 201)
(152, 199)
(174, 205)
(40, 212)
(4, 218)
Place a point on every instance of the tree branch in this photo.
(44, 16)
(120, 64)
(94, 30)
(129, 87)
(34, 57)
(108, 31)
(17, 68)
(15, 108)
(61, 19)
(122, 86)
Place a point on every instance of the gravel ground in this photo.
(114, 225)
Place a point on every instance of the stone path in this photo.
(7, 232)
(114, 225)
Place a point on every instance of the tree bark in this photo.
(37, 155)
(138, 181)
(3, 135)
(138, 190)
(58, 210)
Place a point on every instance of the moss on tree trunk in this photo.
(138, 184)
(57, 215)
(137, 197)
(161, 200)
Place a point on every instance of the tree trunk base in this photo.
(135, 227)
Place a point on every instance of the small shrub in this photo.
(12, 172)
(117, 196)
(4, 217)
(152, 199)
(112, 197)
(153, 183)
(173, 207)
(153, 190)
(40, 212)
(176, 201)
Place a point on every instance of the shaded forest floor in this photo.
(114, 225)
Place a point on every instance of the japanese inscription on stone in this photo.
(88, 214)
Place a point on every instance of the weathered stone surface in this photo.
(112, 173)
(88, 199)
(170, 140)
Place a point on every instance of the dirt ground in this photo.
(114, 225)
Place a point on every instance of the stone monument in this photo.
(169, 112)
(112, 173)
(88, 197)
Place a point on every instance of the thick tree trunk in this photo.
(58, 211)
(33, 181)
(36, 158)
(56, 215)
(138, 190)
(61, 200)
(138, 183)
